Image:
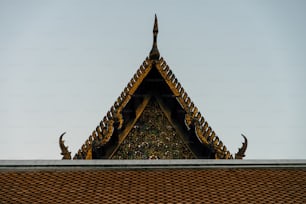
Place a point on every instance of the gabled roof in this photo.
(173, 100)
(153, 181)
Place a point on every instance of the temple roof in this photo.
(154, 83)
(153, 181)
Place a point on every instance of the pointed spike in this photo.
(205, 126)
(109, 115)
(154, 53)
(182, 91)
(166, 69)
(145, 64)
(202, 120)
(175, 81)
(188, 101)
(94, 135)
(139, 72)
(130, 85)
(135, 77)
(179, 87)
(155, 28)
(142, 68)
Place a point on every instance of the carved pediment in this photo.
(154, 118)
(153, 137)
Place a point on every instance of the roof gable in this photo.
(154, 79)
(116, 125)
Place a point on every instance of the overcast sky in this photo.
(64, 63)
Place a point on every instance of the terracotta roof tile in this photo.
(154, 186)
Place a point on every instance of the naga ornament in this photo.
(241, 151)
(66, 154)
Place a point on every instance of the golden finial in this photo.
(154, 53)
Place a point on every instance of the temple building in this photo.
(153, 146)
(153, 118)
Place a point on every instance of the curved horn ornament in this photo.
(241, 151)
(64, 149)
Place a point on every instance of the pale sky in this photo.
(64, 63)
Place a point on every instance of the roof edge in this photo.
(147, 164)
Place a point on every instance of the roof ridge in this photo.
(124, 164)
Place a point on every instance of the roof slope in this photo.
(273, 183)
(154, 79)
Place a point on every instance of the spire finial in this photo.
(154, 54)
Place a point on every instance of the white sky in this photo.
(64, 63)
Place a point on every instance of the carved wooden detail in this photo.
(64, 149)
(153, 137)
(241, 151)
(194, 121)
(104, 130)
(192, 117)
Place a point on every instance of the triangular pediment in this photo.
(153, 79)
(152, 107)
(153, 137)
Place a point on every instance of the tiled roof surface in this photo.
(161, 185)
